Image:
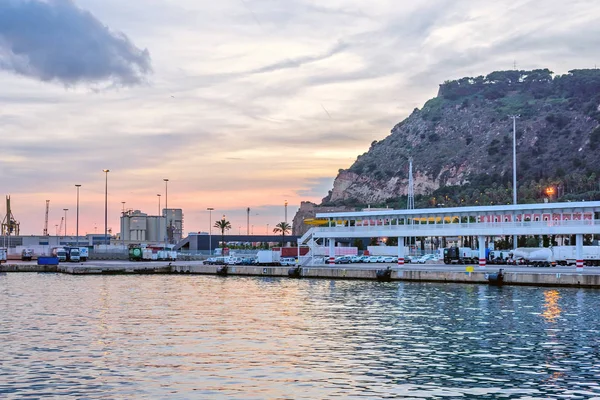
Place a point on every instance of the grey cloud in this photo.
(54, 40)
(297, 62)
(315, 187)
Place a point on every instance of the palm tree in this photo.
(283, 228)
(223, 225)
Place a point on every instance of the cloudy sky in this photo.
(239, 103)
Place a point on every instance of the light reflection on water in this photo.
(212, 337)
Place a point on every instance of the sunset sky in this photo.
(239, 103)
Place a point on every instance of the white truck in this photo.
(557, 255)
(268, 258)
(84, 253)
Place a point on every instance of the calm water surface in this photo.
(203, 337)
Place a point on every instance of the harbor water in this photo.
(189, 336)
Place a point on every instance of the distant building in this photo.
(137, 226)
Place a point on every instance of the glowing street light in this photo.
(210, 210)
(77, 223)
(106, 171)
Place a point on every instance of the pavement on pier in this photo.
(433, 267)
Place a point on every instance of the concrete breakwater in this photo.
(531, 277)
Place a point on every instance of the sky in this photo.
(239, 103)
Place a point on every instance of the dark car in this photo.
(343, 260)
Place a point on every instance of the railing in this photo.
(306, 236)
(462, 226)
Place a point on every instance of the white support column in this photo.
(401, 251)
(579, 251)
(331, 251)
(482, 260)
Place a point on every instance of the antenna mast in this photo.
(411, 189)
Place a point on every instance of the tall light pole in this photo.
(267, 229)
(210, 210)
(123, 225)
(248, 221)
(514, 118)
(65, 210)
(77, 223)
(285, 219)
(166, 210)
(106, 171)
(158, 195)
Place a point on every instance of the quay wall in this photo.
(573, 279)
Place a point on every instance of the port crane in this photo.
(9, 224)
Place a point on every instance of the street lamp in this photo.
(65, 210)
(106, 171)
(210, 210)
(77, 224)
(166, 209)
(514, 118)
(285, 219)
(123, 225)
(158, 195)
(550, 192)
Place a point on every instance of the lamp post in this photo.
(267, 229)
(210, 210)
(77, 223)
(123, 225)
(158, 195)
(106, 171)
(285, 219)
(65, 210)
(166, 210)
(514, 118)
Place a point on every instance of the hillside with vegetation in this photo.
(461, 145)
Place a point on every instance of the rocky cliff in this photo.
(461, 143)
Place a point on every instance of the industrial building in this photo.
(137, 226)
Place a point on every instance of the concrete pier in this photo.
(559, 276)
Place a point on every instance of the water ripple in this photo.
(251, 338)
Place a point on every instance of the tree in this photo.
(223, 225)
(283, 228)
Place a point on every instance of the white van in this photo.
(291, 261)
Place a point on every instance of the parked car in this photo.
(427, 257)
(390, 259)
(342, 260)
(290, 261)
(356, 259)
(210, 261)
(408, 259)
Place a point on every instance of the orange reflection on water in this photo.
(551, 308)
